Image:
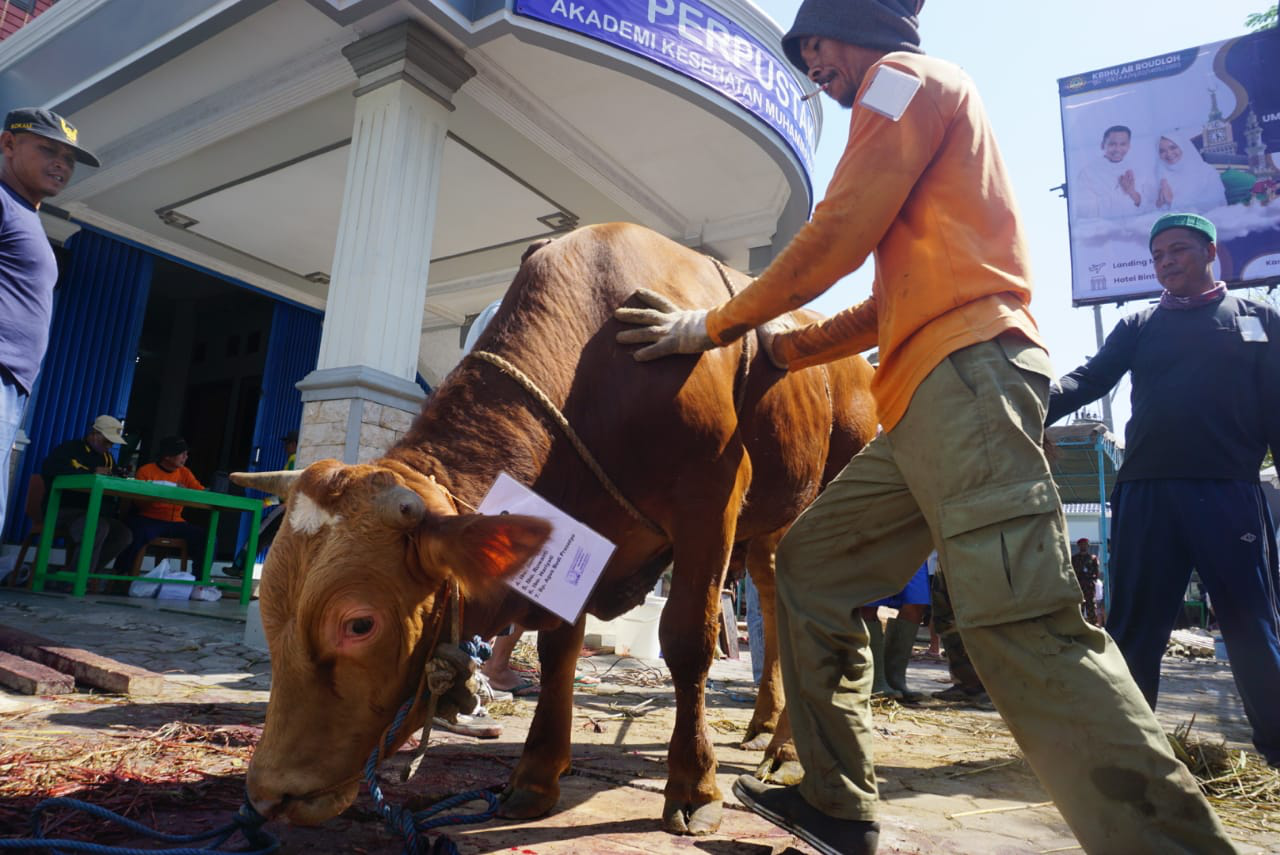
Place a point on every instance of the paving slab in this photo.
(936, 764)
(32, 678)
(92, 669)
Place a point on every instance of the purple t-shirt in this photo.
(28, 272)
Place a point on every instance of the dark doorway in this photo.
(199, 372)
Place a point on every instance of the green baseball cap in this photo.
(1195, 222)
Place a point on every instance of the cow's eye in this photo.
(360, 626)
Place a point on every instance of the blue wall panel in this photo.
(93, 345)
(292, 350)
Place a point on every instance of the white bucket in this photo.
(637, 630)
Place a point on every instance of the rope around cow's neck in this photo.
(409, 824)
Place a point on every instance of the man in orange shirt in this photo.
(961, 390)
(163, 519)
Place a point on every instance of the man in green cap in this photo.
(1205, 368)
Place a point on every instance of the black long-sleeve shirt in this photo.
(1206, 393)
(74, 457)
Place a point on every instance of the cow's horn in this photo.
(275, 483)
(400, 507)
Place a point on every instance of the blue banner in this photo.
(701, 43)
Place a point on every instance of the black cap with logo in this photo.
(48, 124)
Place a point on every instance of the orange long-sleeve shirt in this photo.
(929, 197)
(182, 477)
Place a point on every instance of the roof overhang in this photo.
(223, 126)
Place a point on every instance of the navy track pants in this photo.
(1163, 529)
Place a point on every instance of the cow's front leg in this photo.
(534, 789)
(690, 623)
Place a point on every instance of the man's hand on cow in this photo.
(669, 328)
(768, 331)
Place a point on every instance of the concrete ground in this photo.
(951, 780)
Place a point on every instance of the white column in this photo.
(373, 316)
(362, 394)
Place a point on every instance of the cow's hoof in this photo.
(759, 742)
(678, 819)
(788, 773)
(525, 804)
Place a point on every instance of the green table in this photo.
(98, 486)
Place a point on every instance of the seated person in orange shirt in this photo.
(163, 519)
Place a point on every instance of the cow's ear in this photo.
(480, 550)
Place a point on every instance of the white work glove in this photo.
(768, 330)
(670, 328)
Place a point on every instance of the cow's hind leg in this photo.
(690, 623)
(534, 789)
(770, 729)
(769, 698)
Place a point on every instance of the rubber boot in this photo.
(958, 664)
(899, 637)
(879, 688)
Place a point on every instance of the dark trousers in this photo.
(145, 529)
(111, 538)
(1164, 529)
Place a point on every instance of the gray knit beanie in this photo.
(886, 25)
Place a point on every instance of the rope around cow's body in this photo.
(529, 385)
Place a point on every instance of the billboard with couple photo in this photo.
(1196, 130)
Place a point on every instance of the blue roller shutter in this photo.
(292, 350)
(93, 344)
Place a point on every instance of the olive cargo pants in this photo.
(964, 472)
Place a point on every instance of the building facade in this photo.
(303, 203)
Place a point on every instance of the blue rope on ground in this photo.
(247, 821)
(410, 824)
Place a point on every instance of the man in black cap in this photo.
(90, 454)
(961, 391)
(1189, 498)
(40, 153)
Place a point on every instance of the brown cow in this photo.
(716, 449)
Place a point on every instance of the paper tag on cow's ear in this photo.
(890, 92)
(561, 576)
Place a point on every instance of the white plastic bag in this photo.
(176, 592)
(151, 585)
(207, 593)
(145, 587)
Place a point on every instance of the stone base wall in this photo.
(352, 430)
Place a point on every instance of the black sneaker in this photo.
(787, 809)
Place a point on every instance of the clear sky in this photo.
(1015, 51)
